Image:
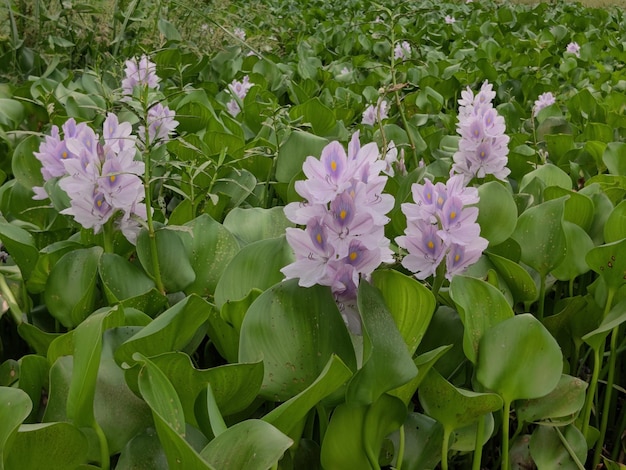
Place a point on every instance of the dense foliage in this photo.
(215, 278)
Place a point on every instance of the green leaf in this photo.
(234, 386)
(578, 245)
(48, 257)
(212, 247)
(615, 225)
(255, 223)
(522, 285)
(36, 339)
(410, 303)
(387, 363)
(497, 212)
(33, 380)
(539, 232)
(143, 452)
(170, 331)
(342, 447)
(15, 406)
(548, 451)
(579, 208)
(614, 157)
(549, 175)
(257, 265)
(308, 327)
(615, 317)
(480, 306)
(315, 113)
(25, 166)
(252, 444)
(11, 113)
(609, 261)
(290, 413)
(71, 291)
(169, 418)
(21, 246)
(218, 426)
(454, 407)
(168, 30)
(53, 446)
(87, 351)
(519, 359)
(174, 264)
(565, 401)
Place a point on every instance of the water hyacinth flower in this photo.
(449, 19)
(161, 125)
(573, 48)
(402, 51)
(240, 33)
(483, 148)
(543, 101)
(441, 225)
(344, 215)
(139, 72)
(238, 89)
(374, 114)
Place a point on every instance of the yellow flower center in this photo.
(64, 155)
(333, 165)
(430, 245)
(342, 214)
(318, 237)
(457, 257)
(452, 215)
(353, 256)
(112, 178)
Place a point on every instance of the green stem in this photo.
(591, 391)
(107, 232)
(478, 447)
(444, 448)
(542, 295)
(440, 274)
(104, 446)
(7, 295)
(607, 397)
(401, 449)
(506, 411)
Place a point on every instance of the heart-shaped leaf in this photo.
(497, 212)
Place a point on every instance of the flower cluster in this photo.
(440, 225)
(543, 101)
(573, 48)
(374, 114)
(101, 177)
(139, 72)
(483, 147)
(402, 51)
(238, 90)
(344, 215)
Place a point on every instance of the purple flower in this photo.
(240, 33)
(449, 19)
(543, 101)
(161, 124)
(344, 213)
(374, 114)
(441, 225)
(402, 51)
(117, 136)
(238, 90)
(483, 148)
(139, 72)
(573, 48)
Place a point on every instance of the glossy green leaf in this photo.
(519, 359)
(290, 413)
(615, 317)
(20, 244)
(211, 247)
(317, 114)
(497, 212)
(257, 265)
(410, 303)
(174, 261)
(480, 306)
(565, 401)
(122, 279)
(170, 331)
(34, 372)
(234, 386)
(464, 439)
(549, 452)
(344, 448)
(169, 418)
(615, 226)
(218, 426)
(71, 290)
(15, 406)
(539, 232)
(609, 261)
(252, 444)
(387, 363)
(48, 257)
(454, 407)
(521, 284)
(25, 166)
(614, 157)
(58, 446)
(87, 351)
(143, 452)
(307, 325)
(579, 208)
(37, 339)
(11, 112)
(549, 175)
(252, 224)
(426, 434)
(578, 245)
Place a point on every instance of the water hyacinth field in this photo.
(298, 235)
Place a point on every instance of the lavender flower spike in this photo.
(139, 72)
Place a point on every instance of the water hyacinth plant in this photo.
(340, 235)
